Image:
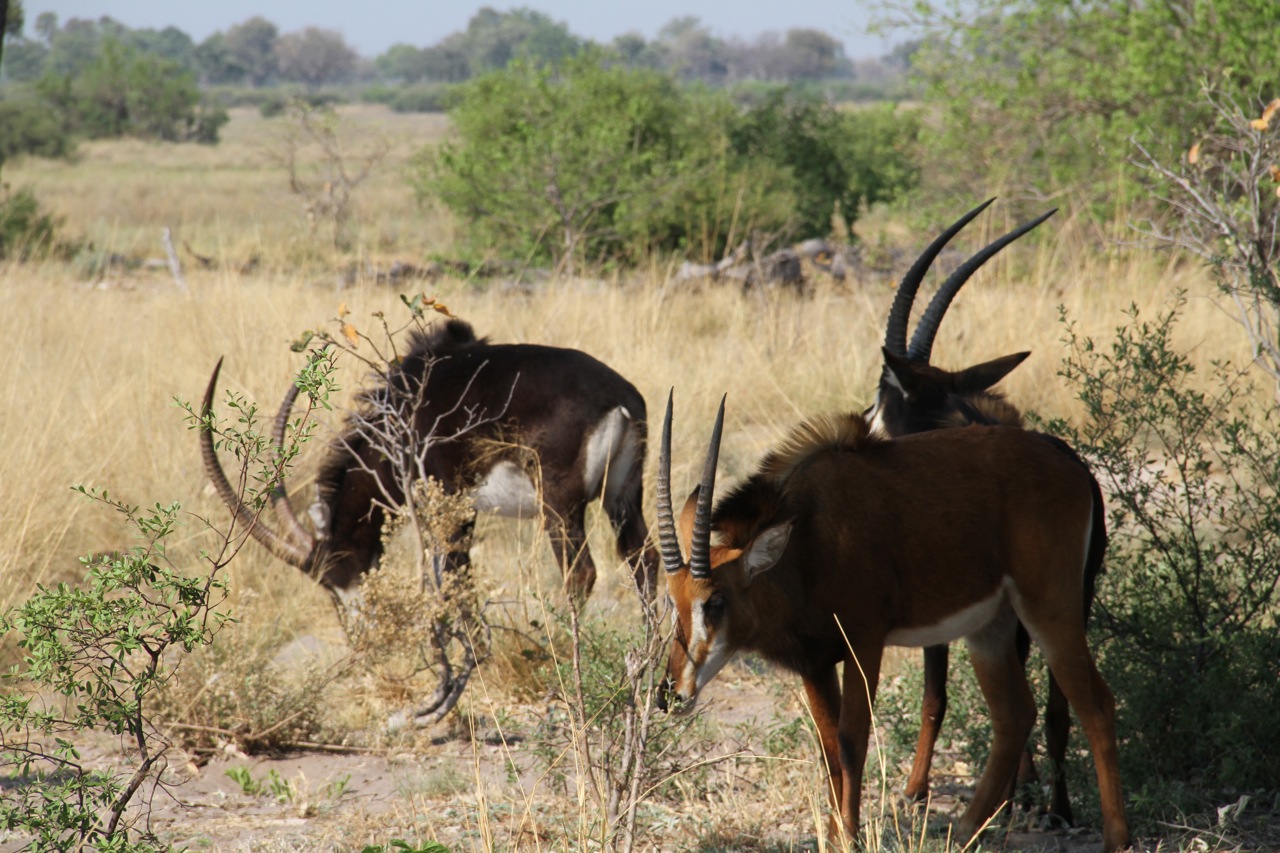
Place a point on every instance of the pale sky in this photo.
(371, 26)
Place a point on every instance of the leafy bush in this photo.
(839, 161)
(1043, 94)
(24, 231)
(586, 162)
(124, 91)
(423, 98)
(97, 655)
(27, 127)
(1187, 616)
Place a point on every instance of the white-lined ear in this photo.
(766, 550)
(897, 373)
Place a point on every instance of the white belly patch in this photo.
(507, 490)
(962, 623)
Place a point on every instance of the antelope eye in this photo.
(713, 609)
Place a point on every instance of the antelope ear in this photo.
(765, 551)
(898, 372)
(980, 377)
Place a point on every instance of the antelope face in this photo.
(705, 583)
(700, 614)
(712, 615)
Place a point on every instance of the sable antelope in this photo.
(843, 542)
(915, 396)
(534, 429)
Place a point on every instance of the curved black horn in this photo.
(895, 330)
(922, 340)
(700, 546)
(668, 543)
(294, 529)
(272, 541)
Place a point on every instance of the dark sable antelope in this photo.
(535, 430)
(843, 542)
(915, 396)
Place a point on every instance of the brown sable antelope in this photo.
(843, 543)
(915, 396)
(534, 430)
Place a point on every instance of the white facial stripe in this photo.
(714, 653)
(718, 655)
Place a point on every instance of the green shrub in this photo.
(124, 91)
(1186, 619)
(584, 162)
(25, 232)
(96, 656)
(838, 161)
(27, 127)
(422, 98)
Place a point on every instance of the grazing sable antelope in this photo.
(534, 429)
(915, 396)
(842, 543)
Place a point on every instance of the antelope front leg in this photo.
(861, 675)
(823, 692)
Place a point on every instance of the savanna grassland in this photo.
(96, 354)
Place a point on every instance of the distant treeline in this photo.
(256, 54)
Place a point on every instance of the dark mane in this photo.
(761, 500)
(843, 432)
(449, 337)
(440, 341)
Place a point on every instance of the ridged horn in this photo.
(295, 530)
(288, 551)
(668, 542)
(700, 544)
(895, 331)
(922, 341)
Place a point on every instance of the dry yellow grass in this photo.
(90, 372)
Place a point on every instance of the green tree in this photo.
(1042, 94)
(12, 19)
(837, 160)
(493, 39)
(215, 61)
(73, 46)
(585, 162)
(314, 57)
(24, 59)
(253, 45)
(809, 54)
(126, 92)
(401, 62)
